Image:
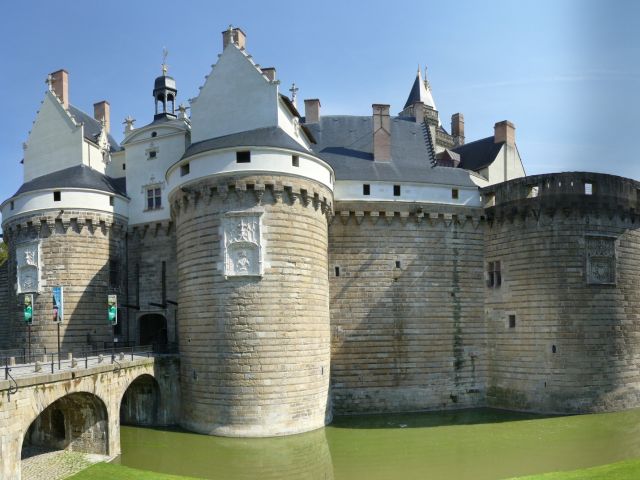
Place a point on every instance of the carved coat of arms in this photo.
(28, 267)
(242, 244)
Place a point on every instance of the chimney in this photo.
(102, 111)
(504, 131)
(270, 73)
(381, 133)
(234, 35)
(457, 128)
(60, 86)
(311, 110)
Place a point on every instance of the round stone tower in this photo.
(562, 274)
(66, 229)
(251, 230)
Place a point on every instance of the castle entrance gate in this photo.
(153, 329)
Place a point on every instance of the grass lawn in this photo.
(111, 471)
(627, 470)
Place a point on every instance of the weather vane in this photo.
(165, 54)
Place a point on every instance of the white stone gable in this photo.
(236, 97)
(55, 141)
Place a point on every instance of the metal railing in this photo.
(82, 358)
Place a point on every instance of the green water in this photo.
(470, 444)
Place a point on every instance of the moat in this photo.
(478, 444)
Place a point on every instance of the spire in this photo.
(420, 92)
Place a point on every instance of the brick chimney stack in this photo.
(60, 86)
(504, 131)
(312, 110)
(457, 128)
(381, 133)
(102, 111)
(234, 35)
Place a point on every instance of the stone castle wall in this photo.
(406, 307)
(255, 351)
(570, 271)
(83, 251)
(4, 305)
(150, 245)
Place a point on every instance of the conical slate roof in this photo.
(420, 93)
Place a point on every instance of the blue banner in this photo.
(58, 304)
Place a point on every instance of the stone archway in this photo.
(140, 403)
(152, 329)
(76, 422)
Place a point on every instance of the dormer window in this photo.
(396, 190)
(366, 189)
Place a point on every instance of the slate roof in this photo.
(479, 154)
(346, 143)
(92, 127)
(79, 176)
(419, 93)
(260, 137)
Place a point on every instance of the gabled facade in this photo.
(309, 265)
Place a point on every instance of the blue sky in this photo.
(566, 72)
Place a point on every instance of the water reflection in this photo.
(471, 444)
(305, 456)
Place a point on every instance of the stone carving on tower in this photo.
(28, 267)
(242, 244)
(601, 260)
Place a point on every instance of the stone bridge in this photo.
(80, 406)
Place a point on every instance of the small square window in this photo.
(243, 157)
(588, 188)
(512, 321)
(111, 200)
(396, 190)
(366, 189)
(154, 134)
(153, 154)
(337, 271)
(455, 193)
(295, 160)
(57, 196)
(184, 169)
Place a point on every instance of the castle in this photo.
(306, 266)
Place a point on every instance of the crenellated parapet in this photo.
(260, 189)
(572, 193)
(45, 224)
(390, 214)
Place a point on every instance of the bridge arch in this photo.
(76, 421)
(140, 403)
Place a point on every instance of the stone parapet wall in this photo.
(407, 323)
(562, 326)
(76, 248)
(254, 328)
